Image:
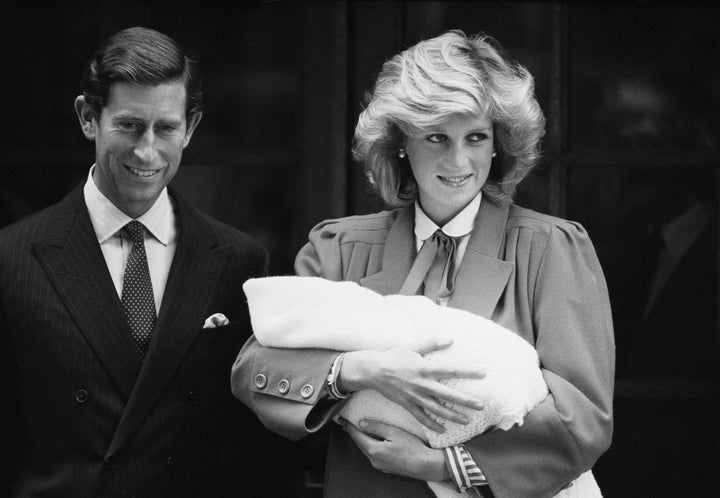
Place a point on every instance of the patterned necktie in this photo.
(433, 267)
(137, 293)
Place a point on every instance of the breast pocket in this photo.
(214, 351)
(238, 331)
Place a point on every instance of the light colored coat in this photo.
(534, 274)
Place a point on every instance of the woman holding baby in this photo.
(450, 130)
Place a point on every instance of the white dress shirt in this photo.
(161, 235)
(459, 228)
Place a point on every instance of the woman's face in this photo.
(450, 164)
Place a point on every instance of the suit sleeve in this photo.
(259, 372)
(566, 433)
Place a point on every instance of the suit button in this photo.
(193, 397)
(306, 391)
(109, 463)
(170, 461)
(260, 381)
(81, 395)
(284, 386)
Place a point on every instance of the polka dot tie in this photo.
(137, 293)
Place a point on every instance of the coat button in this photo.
(170, 461)
(284, 386)
(81, 395)
(193, 397)
(109, 463)
(260, 381)
(306, 391)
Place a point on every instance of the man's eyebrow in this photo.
(125, 115)
(171, 121)
(128, 116)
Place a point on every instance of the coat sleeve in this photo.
(258, 372)
(565, 434)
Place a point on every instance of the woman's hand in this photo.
(405, 377)
(396, 451)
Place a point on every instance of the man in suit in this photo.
(111, 383)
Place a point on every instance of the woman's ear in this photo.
(86, 116)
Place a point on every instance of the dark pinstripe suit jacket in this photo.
(80, 414)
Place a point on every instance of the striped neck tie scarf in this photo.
(432, 272)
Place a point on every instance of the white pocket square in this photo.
(215, 320)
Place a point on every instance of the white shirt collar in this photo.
(461, 225)
(108, 220)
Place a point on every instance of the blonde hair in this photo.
(448, 75)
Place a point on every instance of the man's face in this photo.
(139, 139)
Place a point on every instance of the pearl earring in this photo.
(494, 154)
(402, 153)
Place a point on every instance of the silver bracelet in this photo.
(333, 391)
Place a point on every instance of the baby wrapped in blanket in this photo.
(312, 312)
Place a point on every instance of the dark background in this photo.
(631, 91)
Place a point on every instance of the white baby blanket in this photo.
(312, 312)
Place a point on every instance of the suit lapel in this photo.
(398, 256)
(192, 281)
(482, 276)
(74, 264)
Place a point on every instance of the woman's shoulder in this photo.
(359, 228)
(524, 218)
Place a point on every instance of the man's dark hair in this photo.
(140, 56)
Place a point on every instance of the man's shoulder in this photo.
(38, 225)
(222, 229)
(23, 224)
(224, 233)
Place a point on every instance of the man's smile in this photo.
(143, 173)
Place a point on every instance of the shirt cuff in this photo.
(464, 472)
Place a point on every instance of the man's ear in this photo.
(192, 123)
(85, 114)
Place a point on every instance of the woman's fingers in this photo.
(365, 438)
(444, 393)
(432, 344)
(455, 370)
(379, 430)
(433, 407)
(424, 418)
(363, 441)
(423, 407)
